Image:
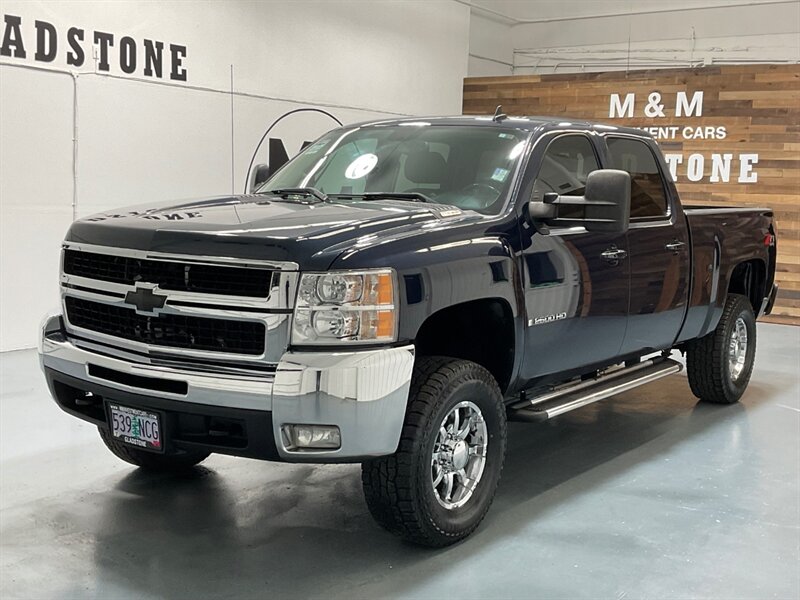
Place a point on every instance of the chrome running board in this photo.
(569, 397)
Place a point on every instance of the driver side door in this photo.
(576, 296)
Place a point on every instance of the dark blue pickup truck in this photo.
(397, 292)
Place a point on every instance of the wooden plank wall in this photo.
(758, 106)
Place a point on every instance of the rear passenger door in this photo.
(658, 248)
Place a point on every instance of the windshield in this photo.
(470, 167)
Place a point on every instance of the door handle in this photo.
(613, 255)
(675, 246)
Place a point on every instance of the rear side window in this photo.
(648, 198)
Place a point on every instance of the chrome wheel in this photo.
(459, 455)
(737, 349)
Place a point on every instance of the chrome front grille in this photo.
(197, 310)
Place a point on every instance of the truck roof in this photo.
(532, 123)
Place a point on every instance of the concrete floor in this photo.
(646, 495)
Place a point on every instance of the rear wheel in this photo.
(438, 486)
(151, 460)
(719, 364)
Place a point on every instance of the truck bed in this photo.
(723, 237)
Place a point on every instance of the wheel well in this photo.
(749, 279)
(481, 331)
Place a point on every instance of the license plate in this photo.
(136, 427)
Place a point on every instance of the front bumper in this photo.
(364, 393)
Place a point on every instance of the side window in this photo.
(647, 187)
(566, 164)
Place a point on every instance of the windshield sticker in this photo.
(500, 174)
(314, 148)
(361, 166)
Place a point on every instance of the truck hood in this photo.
(311, 234)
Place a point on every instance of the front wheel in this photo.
(438, 486)
(719, 364)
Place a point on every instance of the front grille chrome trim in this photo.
(224, 365)
(221, 261)
(279, 298)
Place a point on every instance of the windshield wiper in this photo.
(300, 191)
(411, 196)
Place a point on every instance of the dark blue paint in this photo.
(591, 313)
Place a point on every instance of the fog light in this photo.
(320, 437)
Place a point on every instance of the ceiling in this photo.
(517, 11)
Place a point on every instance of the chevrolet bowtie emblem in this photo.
(146, 301)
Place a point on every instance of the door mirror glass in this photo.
(604, 206)
(258, 176)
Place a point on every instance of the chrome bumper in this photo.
(363, 392)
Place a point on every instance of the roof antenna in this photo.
(499, 116)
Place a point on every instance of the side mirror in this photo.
(606, 201)
(258, 176)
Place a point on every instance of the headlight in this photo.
(345, 306)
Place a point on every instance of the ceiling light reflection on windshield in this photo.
(516, 151)
(321, 161)
(361, 166)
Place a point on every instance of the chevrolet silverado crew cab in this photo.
(394, 294)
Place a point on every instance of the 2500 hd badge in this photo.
(376, 310)
(549, 318)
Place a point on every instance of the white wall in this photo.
(139, 139)
(35, 196)
(491, 50)
(554, 36)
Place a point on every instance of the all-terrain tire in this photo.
(707, 359)
(399, 489)
(151, 460)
